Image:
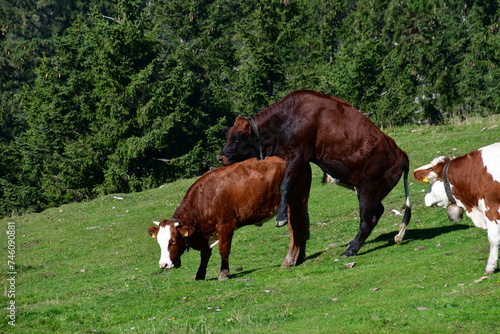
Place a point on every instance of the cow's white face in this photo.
(164, 238)
(437, 195)
(170, 237)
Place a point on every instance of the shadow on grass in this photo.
(412, 235)
(243, 273)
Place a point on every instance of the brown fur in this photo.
(227, 198)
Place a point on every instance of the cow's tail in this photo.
(407, 215)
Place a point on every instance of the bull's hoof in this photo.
(224, 275)
(398, 239)
(281, 223)
(288, 261)
(200, 276)
(281, 218)
(348, 253)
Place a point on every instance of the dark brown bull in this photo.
(307, 126)
(225, 199)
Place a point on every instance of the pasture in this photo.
(93, 268)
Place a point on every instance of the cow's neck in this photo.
(447, 187)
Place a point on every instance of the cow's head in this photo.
(241, 143)
(171, 236)
(433, 174)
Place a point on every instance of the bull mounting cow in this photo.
(307, 126)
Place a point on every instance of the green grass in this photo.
(92, 267)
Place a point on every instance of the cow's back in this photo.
(247, 191)
(476, 178)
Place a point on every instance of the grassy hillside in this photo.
(92, 267)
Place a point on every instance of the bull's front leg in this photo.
(293, 169)
(298, 224)
(205, 254)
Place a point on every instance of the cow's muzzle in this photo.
(166, 266)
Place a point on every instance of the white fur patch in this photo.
(494, 239)
(477, 215)
(437, 160)
(437, 195)
(163, 238)
(491, 159)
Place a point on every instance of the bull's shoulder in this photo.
(312, 94)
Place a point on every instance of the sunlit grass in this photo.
(92, 267)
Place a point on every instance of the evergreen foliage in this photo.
(119, 96)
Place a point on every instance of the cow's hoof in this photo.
(280, 223)
(489, 272)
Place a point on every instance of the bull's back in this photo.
(346, 142)
(332, 122)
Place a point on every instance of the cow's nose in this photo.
(220, 159)
(165, 266)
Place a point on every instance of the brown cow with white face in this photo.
(471, 183)
(228, 198)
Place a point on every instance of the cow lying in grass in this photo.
(225, 199)
(471, 183)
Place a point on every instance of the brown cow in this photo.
(471, 183)
(307, 126)
(225, 199)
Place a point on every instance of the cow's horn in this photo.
(425, 167)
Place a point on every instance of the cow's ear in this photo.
(153, 231)
(186, 230)
(424, 175)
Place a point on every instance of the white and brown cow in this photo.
(471, 183)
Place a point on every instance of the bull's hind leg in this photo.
(298, 227)
(370, 209)
(369, 219)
